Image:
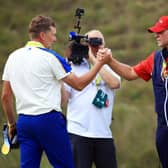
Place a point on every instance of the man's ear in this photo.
(42, 36)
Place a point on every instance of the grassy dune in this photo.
(124, 25)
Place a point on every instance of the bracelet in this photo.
(11, 125)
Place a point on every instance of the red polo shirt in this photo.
(144, 68)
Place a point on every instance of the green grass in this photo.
(124, 25)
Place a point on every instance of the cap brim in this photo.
(156, 29)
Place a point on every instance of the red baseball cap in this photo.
(159, 26)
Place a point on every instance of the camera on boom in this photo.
(79, 43)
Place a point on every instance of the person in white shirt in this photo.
(33, 75)
(89, 112)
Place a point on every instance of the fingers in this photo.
(104, 51)
(104, 55)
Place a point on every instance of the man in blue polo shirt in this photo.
(33, 75)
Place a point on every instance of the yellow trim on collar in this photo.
(34, 44)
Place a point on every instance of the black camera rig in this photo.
(75, 36)
(79, 45)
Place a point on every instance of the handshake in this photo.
(104, 56)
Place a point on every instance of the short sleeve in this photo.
(59, 67)
(144, 68)
(58, 64)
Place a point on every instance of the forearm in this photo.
(85, 79)
(8, 110)
(123, 70)
(79, 82)
(7, 99)
(112, 81)
(107, 77)
(10, 116)
(64, 95)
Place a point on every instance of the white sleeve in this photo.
(59, 70)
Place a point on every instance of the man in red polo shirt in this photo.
(154, 67)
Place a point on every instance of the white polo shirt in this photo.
(35, 76)
(83, 117)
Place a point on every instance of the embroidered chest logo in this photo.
(164, 72)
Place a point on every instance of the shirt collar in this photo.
(34, 44)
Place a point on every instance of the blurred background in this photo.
(124, 24)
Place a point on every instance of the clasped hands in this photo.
(103, 55)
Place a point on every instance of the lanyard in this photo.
(98, 77)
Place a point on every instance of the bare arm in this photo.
(7, 102)
(64, 95)
(122, 69)
(111, 80)
(79, 83)
(7, 99)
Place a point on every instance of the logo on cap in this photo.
(161, 21)
(159, 26)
